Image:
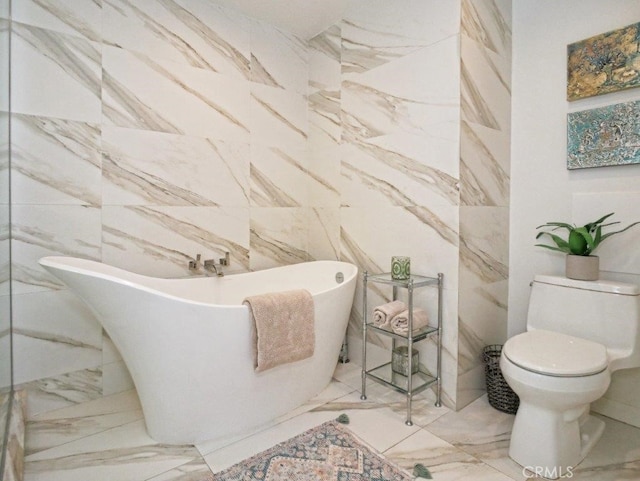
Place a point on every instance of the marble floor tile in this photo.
(444, 461)
(196, 470)
(65, 425)
(105, 439)
(125, 453)
(615, 456)
(481, 431)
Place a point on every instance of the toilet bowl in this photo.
(578, 332)
(553, 428)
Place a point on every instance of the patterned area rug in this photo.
(325, 453)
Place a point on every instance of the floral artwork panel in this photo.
(604, 136)
(605, 63)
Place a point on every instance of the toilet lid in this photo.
(556, 354)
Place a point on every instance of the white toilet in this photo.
(578, 333)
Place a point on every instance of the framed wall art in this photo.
(604, 136)
(605, 63)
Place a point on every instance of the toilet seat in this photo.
(556, 354)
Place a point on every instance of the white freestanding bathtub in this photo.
(188, 342)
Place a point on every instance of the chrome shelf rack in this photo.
(383, 374)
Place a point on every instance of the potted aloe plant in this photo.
(579, 245)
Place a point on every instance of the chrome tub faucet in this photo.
(209, 265)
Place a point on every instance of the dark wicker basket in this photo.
(500, 395)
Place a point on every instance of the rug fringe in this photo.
(420, 471)
(343, 419)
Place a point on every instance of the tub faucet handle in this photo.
(194, 264)
(224, 261)
(210, 266)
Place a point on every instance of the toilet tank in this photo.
(606, 312)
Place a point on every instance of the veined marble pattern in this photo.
(399, 137)
(278, 117)
(484, 248)
(485, 63)
(41, 230)
(153, 168)
(53, 333)
(324, 233)
(279, 178)
(68, 389)
(15, 439)
(376, 32)
(406, 95)
(278, 236)
(474, 106)
(325, 133)
(59, 75)
(102, 440)
(155, 94)
(485, 87)
(55, 161)
(82, 19)
(53, 427)
(485, 171)
(160, 241)
(278, 59)
(324, 60)
(375, 175)
(488, 22)
(430, 240)
(324, 166)
(186, 97)
(195, 33)
(325, 128)
(484, 285)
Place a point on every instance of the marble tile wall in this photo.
(421, 149)
(485, 132)
(383, 140)
(149, 131)
(145, 132)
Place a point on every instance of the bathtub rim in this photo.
(80, 265)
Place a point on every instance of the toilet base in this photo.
(551, 444)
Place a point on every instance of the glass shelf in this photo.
(418, 334)
(385, 375)
(414, 280)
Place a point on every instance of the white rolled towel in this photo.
(400, 322)
(383, 314)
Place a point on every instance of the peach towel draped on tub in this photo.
(284, 327)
